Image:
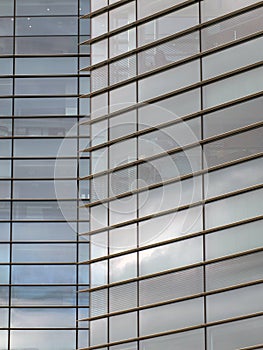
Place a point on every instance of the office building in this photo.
(176, 256)
(40, 163)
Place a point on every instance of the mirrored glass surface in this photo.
(34, 231)
(46, 26)
(45, 86)
(43, 339)
(6, 26)
(45, 106)
(122, 15)
(45, 210)
(43, 7)
(46, 45)
(5, 107)
(46, 65)
(6, 66)
(43, 274)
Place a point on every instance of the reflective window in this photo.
(6, 66)
(5, 107)
(99, 25)
(46, 45)
(236, 335)
(4, 253)
(234, 240)
(43, 339)
(46, 65)
(122, 42)
(99, 274)
(122, 153)
(123, 327)
(4, 229)
(99, 51)
(6, 87)
(34, 231)
(232, 58)
(7, 9)
(97, 4)
(233, 117)
(4, 211)
(190, 311)
(169, 52)
(5, 189)
(212, 9)
(45, 86)
(193, 340)
(123, 69)
(45, 127)
(122, 97)
(123, 268)
(41, 7)
(99, 105)
(171, 256)
(98, 332)
(236, 208)
(122, 125)
(5, 148)
(46, 26)
(6, 47)
(45, 106)
(6, 26)
(167, 25)
(234, 28)
(122, 239)
(43, 274)
(123, 209)
(164, 82)
(233, 147)
(146, 8)
(5, 168)
(235, 177)
(45, 210)
(122, 15)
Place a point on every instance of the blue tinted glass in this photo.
(48, 8)
(44, 274)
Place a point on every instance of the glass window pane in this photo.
(232, 88)
(7, 9)
(42, 7)
(44, 317)
(122, 125)
(3, 339)
(233, 117)
(44, 274)
(45, 127)
(97, 4)
(43, 148)
(170, 196)
(123, 268)
(43, 253)
(4, 231)
(46, 65)
(234, 303)
(6, 66)
(193, 340)
(98, 273)
(233, 147)
(6, 26)
(4, 253)
(45, 210)
(122, 15)
(122, 42)
(46, 45)
(171, 286)
(168, 52)
(45, 106)
(123, 327)
(5, 189)
(190, 311)
(124, 209)
(46, 86)
(46, 26)
(232, 209)
(236, 177)
(123, 297)
(171, 256)
(99, 25)
(6, 87)
(122, 97)
(212, 9)
(122, 239)
(49, 232)
(234, 240)
(4, 274)
(232, 58)
(146, 8)
(99, 51)
(99, 78)
(98, 332)
(43, 296)
(170, 226)
(164, 82)
(122, 153)
(6, 47)
(4, 211)
(123, 69)
(167, 25)
(5, 107)
(236, 335)
(5, 148)
(5, 168)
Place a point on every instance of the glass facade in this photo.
(40, 140)
(175, 208)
